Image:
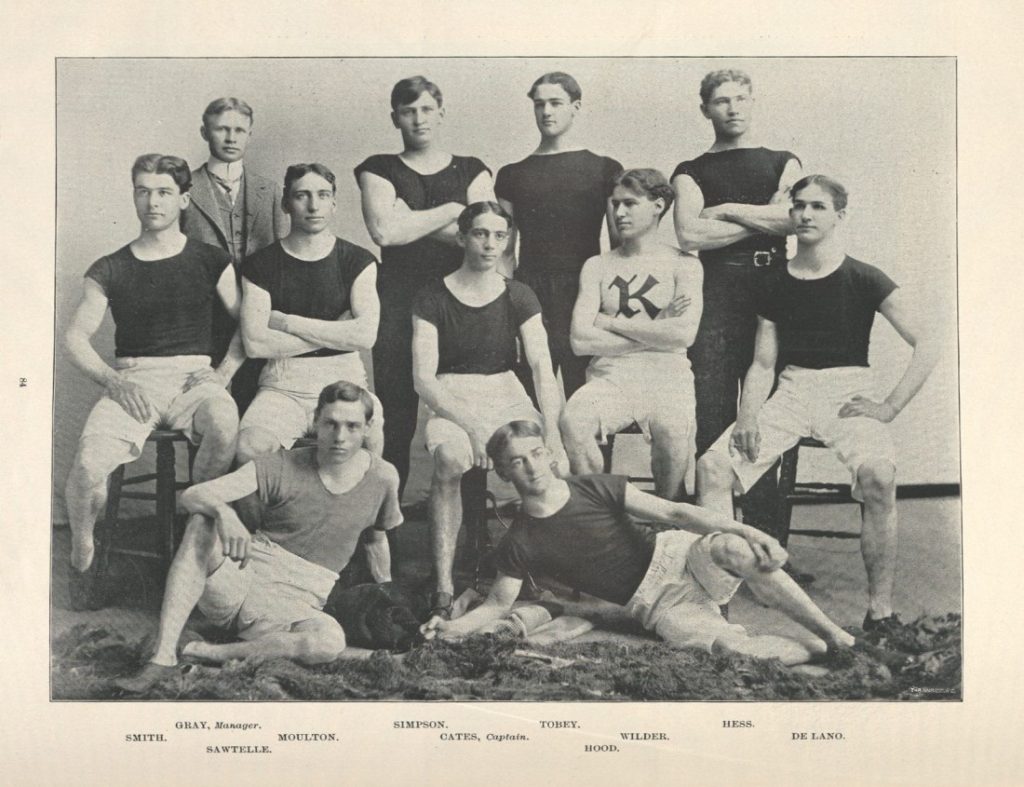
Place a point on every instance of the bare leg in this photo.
(314, 641)
(879, 539)
(445, 515)
(216, 421)
(775, 588)
(669, 457)
(579, 435)
(86, 492)
(715, 483)
(199, 555)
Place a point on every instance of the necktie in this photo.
(230, 186)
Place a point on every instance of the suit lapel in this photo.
(255, 196)
(205, 201)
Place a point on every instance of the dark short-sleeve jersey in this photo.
(320, 289)
(303, 516)
(591, 543)
(476, 339)
(747, 175)
(824, 323)
(426, 257)
(162, 307)
(559, 202)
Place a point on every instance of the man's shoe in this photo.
(84, 591)
(441, 605)
(802, 578)
(881, 625)
(147, 677)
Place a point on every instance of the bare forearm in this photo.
(675, 333)
(757, 385)
(703, 520)
(405, 226)
(550, 405)
(597, 341)
(378, 557)
(700, 234)
(354, 334)
(234, 358)
(772, 219)
(84, 356)
(448, 405)
(926, 355)
(276, 344)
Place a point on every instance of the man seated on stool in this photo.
(309, 305)
(465, 332)
(270, 587)
(160, 289)
(580, 531)
(637, 311)
(814, 321)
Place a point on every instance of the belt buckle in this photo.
(762, 259)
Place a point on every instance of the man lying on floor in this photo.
(580, 531)
(270, 587)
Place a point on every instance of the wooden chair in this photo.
(791, 491)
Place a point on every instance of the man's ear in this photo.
(203, 133)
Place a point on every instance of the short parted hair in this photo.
(344, 391)
(716, 78)
(498, 442)
(297, 171)
(566, 81)
(406, 91)
(470, 212)
(649, 182)
(220, 105)
(839, 194)
(159, 164)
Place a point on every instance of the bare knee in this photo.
(97, 458)
(670, 435)
(253, 442)
(321, 644)
(200, 537)
(714, 473)
(448, 466)
(877, 482)
(217, 419)
(733, 553)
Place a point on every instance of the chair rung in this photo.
(825, 533)
(139, 479)
(139, 495)
(136, 553)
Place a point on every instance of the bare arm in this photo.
(391, 222)
(78, 340)
(355, 330)
(757, 385)
(586, 338)
(772, 218)
(480, 190)
(509, 262)
(535, 347)
(230, 293)
(926, 355)
(212, 499)
(441, 400)
(665, 332)
(649, 508)
(259, 339)
(499, 601)
(693, 232)
(378, 555)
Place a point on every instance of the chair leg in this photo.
(787, 482)
(607, 450)
(474, 515)
(107, 526)
(165, 496)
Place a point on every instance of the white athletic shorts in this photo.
(289, 390)
(163, 381)
(497, 398)
(640, 388)
(681, 592)
(806, 404)
(275, 590)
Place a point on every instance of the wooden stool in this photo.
(164, 496)
(609, 447)
(791, 492)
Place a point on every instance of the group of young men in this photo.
(485, 291)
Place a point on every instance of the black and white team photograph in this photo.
(536, 379)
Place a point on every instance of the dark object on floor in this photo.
(146, 678)
(86, 588)
(375, 616)
(441, 605)
(802, 578)
(881, 625)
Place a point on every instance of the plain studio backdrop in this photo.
(885, 127)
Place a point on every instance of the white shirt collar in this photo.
(227, 171)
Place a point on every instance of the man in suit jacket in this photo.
(235, 209)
